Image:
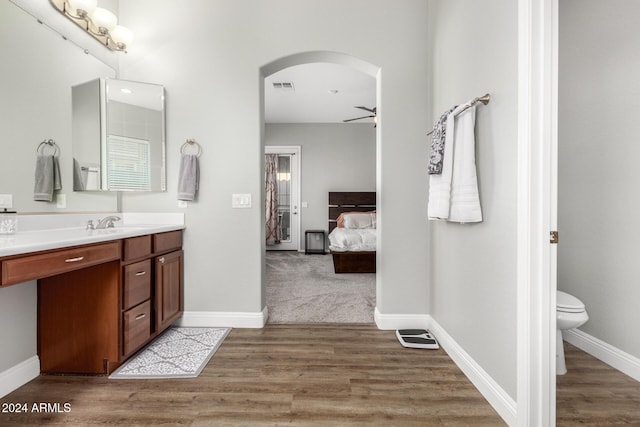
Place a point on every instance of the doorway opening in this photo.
(331, 162)
(282, 188)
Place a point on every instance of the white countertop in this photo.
(44, 232)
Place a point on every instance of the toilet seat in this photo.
(568, 303)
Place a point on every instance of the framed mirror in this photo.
(118, 139)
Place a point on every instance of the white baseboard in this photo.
(612, 356)
(18, 375)
(495, 395)
(400, 321)
(220, 319)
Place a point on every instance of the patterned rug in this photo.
(177, 353)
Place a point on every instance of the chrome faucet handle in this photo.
(90, 225)
(107, 222)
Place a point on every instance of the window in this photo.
(128, 163)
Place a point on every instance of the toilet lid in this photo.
(568, 303)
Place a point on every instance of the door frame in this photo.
(536, 211)
(296, 151)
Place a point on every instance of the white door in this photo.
(288, 197)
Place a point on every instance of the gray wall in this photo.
(37, 76)
(598, 154)
(36, 104)
(335, 157)
(473, 274)
(209, 57)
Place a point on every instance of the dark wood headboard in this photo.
(349, 201)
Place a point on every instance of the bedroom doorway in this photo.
(282, 178)
(341, 154)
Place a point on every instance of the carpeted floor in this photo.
(304, 289)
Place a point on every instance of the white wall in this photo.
(335, 157)
(473, 274)
(598, 153)
(209, 56)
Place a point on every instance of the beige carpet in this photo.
(304, 289)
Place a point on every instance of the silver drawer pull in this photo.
(80, 258)
(141, 316)
(141, 273)
(161, 260)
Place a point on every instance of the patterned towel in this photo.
(437, 144)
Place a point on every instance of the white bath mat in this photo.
(177, 353)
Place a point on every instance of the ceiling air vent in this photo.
(284, 86)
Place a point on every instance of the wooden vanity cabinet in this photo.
(92, 319)
(152, 288)
(136, 306)
(169, 301)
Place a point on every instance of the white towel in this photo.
(440, 185)
(453, 195)
(465, 199)
(188, 177)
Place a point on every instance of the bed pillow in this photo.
(357, 220)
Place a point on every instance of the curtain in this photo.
(272, 226)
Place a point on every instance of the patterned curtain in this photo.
(272, 226)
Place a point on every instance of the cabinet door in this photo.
(169, 295)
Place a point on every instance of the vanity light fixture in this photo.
(98, 22)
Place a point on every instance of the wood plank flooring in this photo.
(300, 375)
(593, 393)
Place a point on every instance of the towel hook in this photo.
(191, 142)
(50, 143)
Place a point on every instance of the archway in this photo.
(311, 58)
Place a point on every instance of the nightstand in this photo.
(314, 242)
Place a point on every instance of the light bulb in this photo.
(82, 7)
(103, 20)
(122, 36)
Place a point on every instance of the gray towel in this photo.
(438, 138)
(188, 177)
(47, 178)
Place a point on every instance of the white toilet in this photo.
(570, 314)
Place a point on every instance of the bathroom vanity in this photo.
(101, 296)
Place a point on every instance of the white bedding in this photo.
(349, 239)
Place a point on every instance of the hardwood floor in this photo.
(594, 394)
(301, 375)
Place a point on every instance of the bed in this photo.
(352, 249)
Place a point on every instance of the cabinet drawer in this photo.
(163, 242)
(136, 327)
(137, 283)
(39, 266)
(137, 247)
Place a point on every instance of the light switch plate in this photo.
(61, 201)
(305, 205)
(240, 201)
(6, 201)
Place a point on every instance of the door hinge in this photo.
(554, 237)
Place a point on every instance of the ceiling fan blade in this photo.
(367, 109)
(358, 118)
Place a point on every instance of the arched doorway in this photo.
(303, 59)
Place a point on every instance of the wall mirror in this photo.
(118, 136)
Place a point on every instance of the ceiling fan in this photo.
(371, 116)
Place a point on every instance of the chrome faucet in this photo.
(107, 222)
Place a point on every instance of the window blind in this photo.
(128, 163)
